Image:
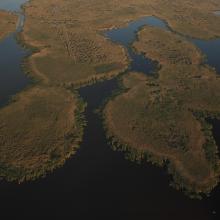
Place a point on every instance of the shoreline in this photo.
(139, 155)
(79, 122)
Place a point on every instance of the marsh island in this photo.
(160, 116)
(7, 23)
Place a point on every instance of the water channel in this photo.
(97, 182)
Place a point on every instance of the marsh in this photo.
(86, 84)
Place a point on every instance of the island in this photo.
(161, 118)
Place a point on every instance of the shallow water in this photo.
(217, 12)
(98, 182)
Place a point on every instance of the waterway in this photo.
(98, 182)
(12, 78)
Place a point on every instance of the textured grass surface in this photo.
(38, 132)
(71, 46)
(163, 119)
(71, 51)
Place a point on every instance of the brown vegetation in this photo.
(164, 119)
(7, 23)
(71, 51)
(39, 130)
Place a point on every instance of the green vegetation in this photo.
(163, 119)
(7, 23)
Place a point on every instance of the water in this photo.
(12, 78)
(216, 128)
(98, 182)
(211, 49)
(217, 12)
(127, 35)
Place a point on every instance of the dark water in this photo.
(11, 5)
(216, 126)
(98, 182)
(12, 78)
(127, 35)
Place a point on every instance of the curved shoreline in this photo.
(139, 155)
(92, 80)
(29, 169)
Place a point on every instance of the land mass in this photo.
(7, 23)
(39, 130)
(162, 118)
(71, 51)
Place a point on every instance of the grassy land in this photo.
(72, 49)
(163, 119)
(72, 52)
(38, 132)
(7, 23)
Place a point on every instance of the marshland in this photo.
(116, 101)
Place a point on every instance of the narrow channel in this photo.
(12, 78)
(98, 182)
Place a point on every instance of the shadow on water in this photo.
(98, 182)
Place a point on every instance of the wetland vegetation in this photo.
(7, 23)
(160, 118)
(40, 127)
